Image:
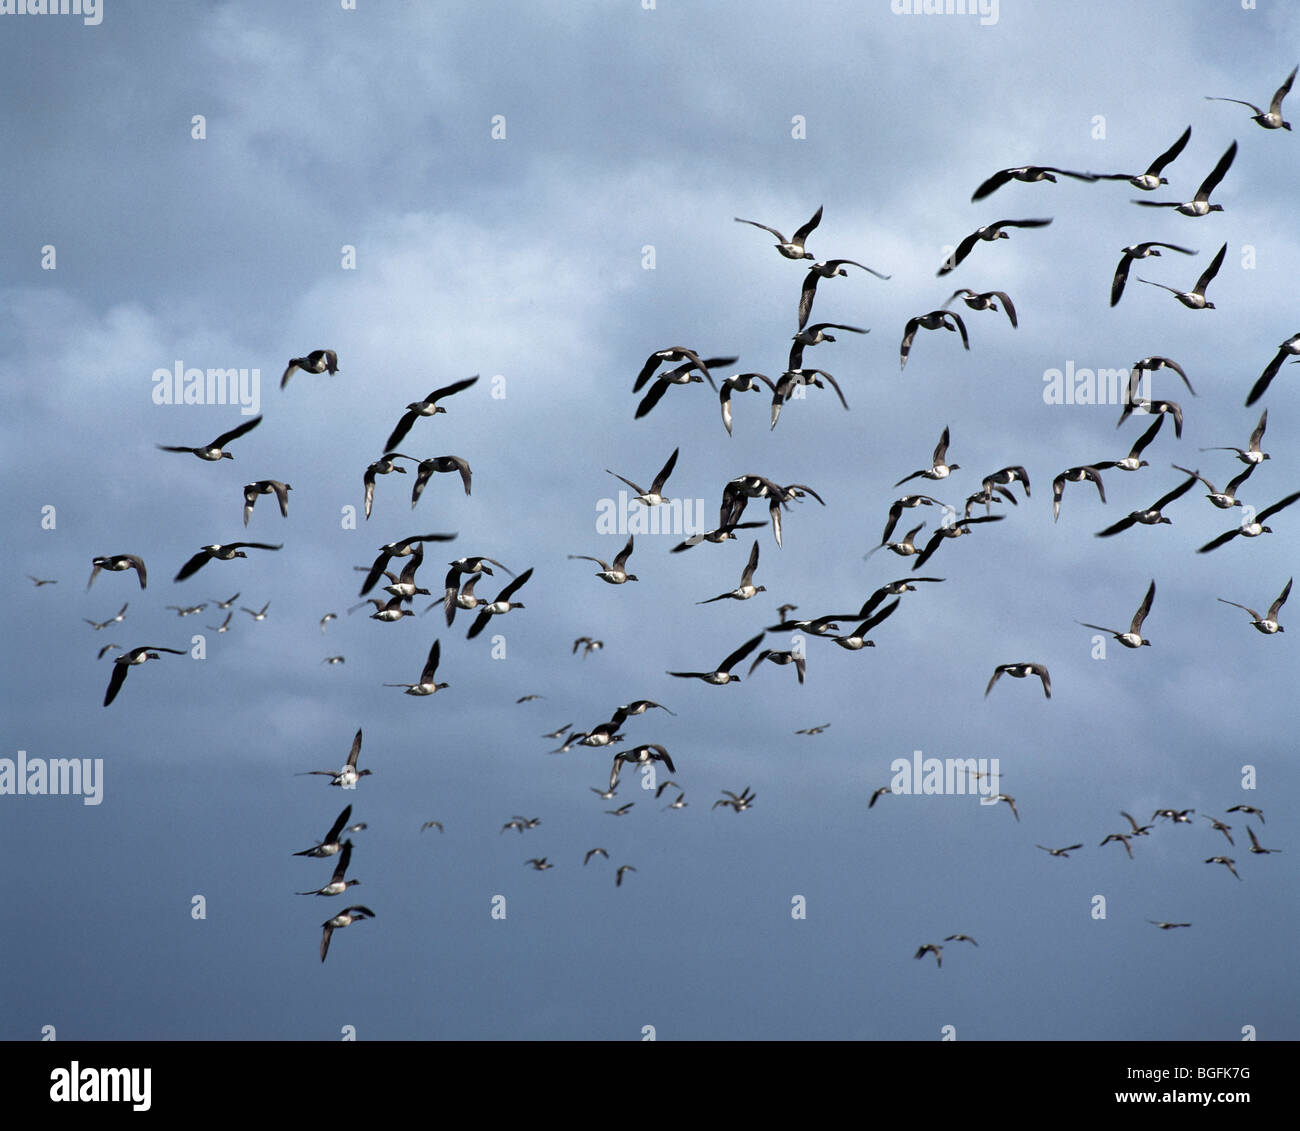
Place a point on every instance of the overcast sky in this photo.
(544, 194)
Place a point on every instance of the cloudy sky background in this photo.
(522, 258)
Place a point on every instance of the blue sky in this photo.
(523, 258)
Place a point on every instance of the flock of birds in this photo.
(684, 366)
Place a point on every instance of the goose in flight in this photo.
(1289, 348)
(130, 659)
(115, 563)
(940, 468)
(318, 361)
(502, 604)
(1227, 498)
(746, 589)
(791, 248)
(1200, 204)
(427, 407)
(1272, 119)
(639, 756)
(1252, 529)
(382, 466)
(1138, 251)
(741, 383)
(1028, 174)
(337, 885)
(331, 846)
(1020, 671)
(989, 232)
(722, 674)
(216, 450)
(935, 320)
(349, 775)
(1151, 516)
(428, 467)
(1074, 475)
(1133, 637)
(1065, 852)
(985, 301)
(344, 918)
(655, 496)
(1195, 298)
(217, 552)
(1151, 179)
(828, 270)
(1267, 625)
(428, 684)
(931, 948)
(615, 574)
(266, 487)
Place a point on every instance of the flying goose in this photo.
(1267, 625)
(1200, 204)
(266, 487)
(1195, 298)
(1252, 529)
(331, 846)
(654, 496)
(1020, 671)
(741, 383)
(594, 852)
(589, 646)
(1138, 251)
(130, 659)
(1132, 462)
(427, 407)
(427, 684)
(793, 379)
(1219, 826)
(432, 825)
(639, 756)
(828, 270)
(1028, 174)
(989, 232)
(1153, 408)
(1273, 119)
(814, 730)
(217, 552)
(121, 615)
(898, 506)
(1252, 455)
(1151, 179)
(502, 604)
(790, 248)
(1291, 347)
(216, 450)
(402, 548)
(1247, 809)
(1256, 847)
(110, 648)
(931, 948)
(1065, 852)
(961, 938)
(1138, 830)
(1075, 475)
(344, 918)
(737, 801)
(723, 533)
(737, 493)
(405, 586)
(1226, 861)
(857, 639)
(781, 658)
(386, 611)
(39, 581)
(746, 589)
(1133, 637)
(382, 466)
(680, 375)
(1226, 498)
(877, 794)
(256, 614)
(1151, 516)
(1166, 926)
(1151, 365)
(1177, 816)
(723, 673)
(439, 463)
(935, 320)
(614, 574)
(337, 885)
(940, 468)
(1123, 838)
(188, 611)
(814, 335)
(318, 361)
(1011, 801)
(116, 563)
(950, 530)
(618, 878)
(985, 301)
(349, 775)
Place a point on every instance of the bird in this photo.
(432, 825)
(116, 563)
(1005, 477)
(737, 801)
(1200, 204)
(106, 649)
(746, 589)
(940, 468)
(950, 530)
(781, 658)
(931, 948)
(1151, 179)
(1247, 809)
(1011, 801)
(427, 684)
(1133, 637)
(989, 232)
(1226, 861)
(792, 248)
(1020, 671)
(349, 775)
(856, 640)
(618, 878)
(961, 938)
(1123, 839)
(1252, 529)
(216, 450)
(654, 496)
(500, 605)
(400, 549)
(325, 620)
(984, 301)
(896, 510)
(621, 811)
(1289, 348)
(1151, 365)
(332, 660)
(98, 625)
(1267, 625)
(682, 374)
(935, 320)
(1166, 926)
(39, 581)
(1271, 120)
(814, 730)
(1132, 462)
(1195, 298)
(266, 487)
(382, 466)
(639, 756)
(589, 646)
(1074, 475)
(225, 553)
(385, 611)
(1028, 174)
(337, 885)
(405, 585)
(614, 574)
(740, 383)
(1151, 516)
(1138, 830)
(427, 407)
(828, 270)
(190, 611)
(1138, 251)
(1153, 408)
(1219, 826)
(877, 794)
(1059, 851)
(438, 463)
(331, 846)
(1251, 455)
(256, 614)
(813, 336)
(793, 379)
(130, 659)
(723, 674)
(1227, 498)
(1255, 846)
(318, 361)
(539, 863)
(594, 852)
(723, 533)
(1178, 816)
(344, 918)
